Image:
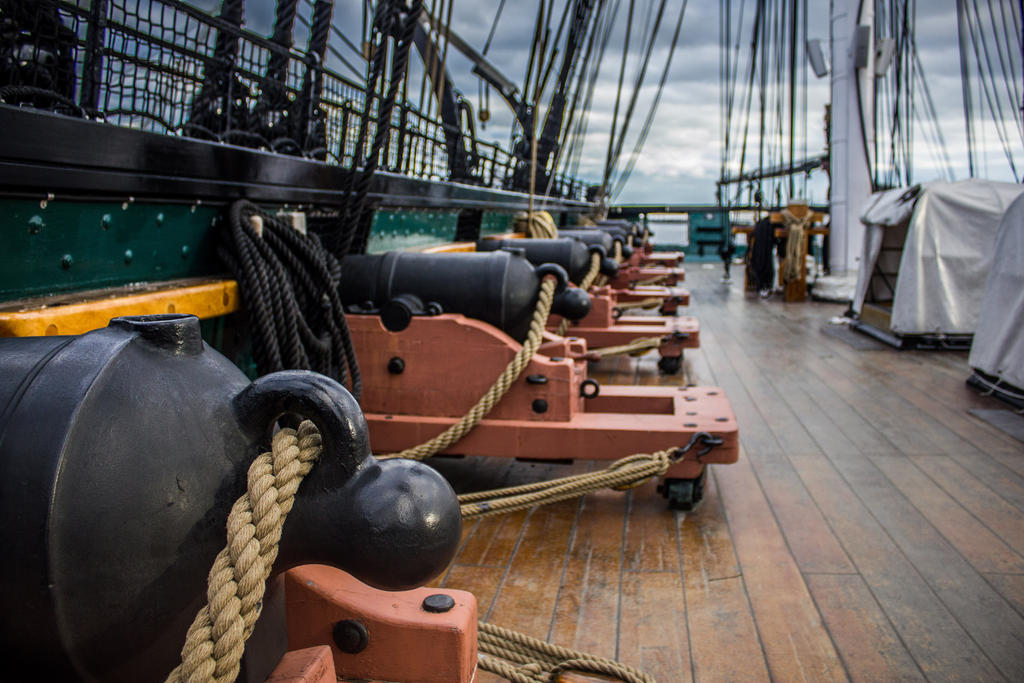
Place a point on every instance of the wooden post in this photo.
(796, 290)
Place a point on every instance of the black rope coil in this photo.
(289, 286)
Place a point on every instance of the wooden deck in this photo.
(872, 529)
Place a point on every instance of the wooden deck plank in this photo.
(649, 544)
(870, 648)
(992, 623)
(1006, 520)
(938, 644)
(795, 641)
(483, 582)
(938, 388)
(527, 596)
(872, 528)
(587, 613)
(975, 541)
(653, 634)
(492, 540)
(1011, 587)
(807, 534)
(853, 407)
(723, 637)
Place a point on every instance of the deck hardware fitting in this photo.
(438, 603)
(350, 636)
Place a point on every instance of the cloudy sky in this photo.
(682, 156)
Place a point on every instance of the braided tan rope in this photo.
(500, 387)
(796, 245)
(652, 281)
(622, 474)
(585, 283)
(648, 303)
(536, 224)
(237, 581)
(637, 347)
(522, 659)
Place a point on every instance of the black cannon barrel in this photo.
(606, 238)
(498, 287)
(568, 252)
(122, 452)
(629, 227)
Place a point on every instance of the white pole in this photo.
(849, 163)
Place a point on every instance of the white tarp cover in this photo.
(885, 219)
(946, 254)
(998, 347)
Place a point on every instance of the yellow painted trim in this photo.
(456, 247)
(207, 300)
(506, 236)
(451, 248)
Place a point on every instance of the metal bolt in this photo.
(536, 379)
(106, 220)
(128, 255)
(36, 224)
(540, 405)
(159, 219)
(438, 603)
(350, 636)
(396, 366)
(184, 251)
(66, 261)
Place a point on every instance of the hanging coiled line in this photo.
(289, 285)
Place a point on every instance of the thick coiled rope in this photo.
(522, 659)
(653, 281)
(500, 387)
(237, 581)
(236, 584)
(289, 285)
(648, 303)
(796, 245)
(536, 224)
(625, 473)
(637, 347)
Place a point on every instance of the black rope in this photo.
(339, 241)
(637, 84)
(618, 98)
(646, 129)
(359, 209)
(579, 136)
(213, 103)
(289, 285)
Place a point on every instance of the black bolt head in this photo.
(350, 636)
(396, 366)
(540, 405)
(438, 603)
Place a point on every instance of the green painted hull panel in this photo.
(53, 247)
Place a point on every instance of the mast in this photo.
(852, 57)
